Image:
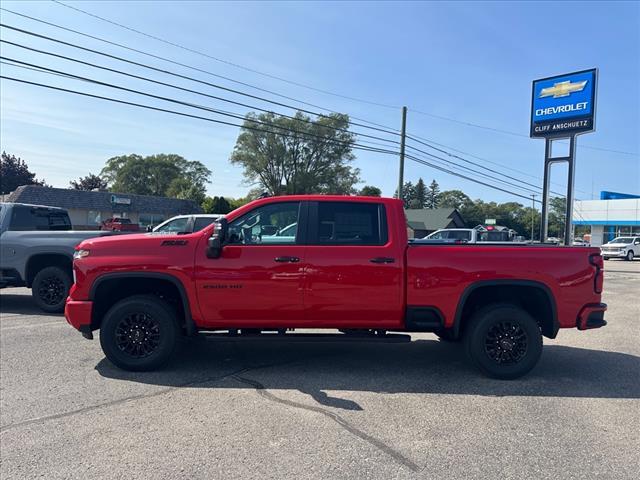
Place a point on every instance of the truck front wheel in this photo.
(503, 341)
(50, 288)
(139, 333)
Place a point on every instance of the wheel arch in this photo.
(512, 291)
(38, 261)
(112, 280)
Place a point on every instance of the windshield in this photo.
(178, 225)
(622, 240)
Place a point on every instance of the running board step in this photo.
(310, 337)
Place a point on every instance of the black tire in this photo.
(503, 341)
(50, 289)
(629, 256)
(139, 333)
(605, 258)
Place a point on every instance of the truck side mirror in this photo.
(214, 247)
(216, 241)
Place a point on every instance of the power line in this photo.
(442, 169)
(222, 122)
(167, 99)
(486, 175)
(298, 84)
(164, 59)
(227, 62)
(177, 87)
(221, 87)
(393, 129)
(522, 172)
(477, 164)
(219, 111)
(508, 132)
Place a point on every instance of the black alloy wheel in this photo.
(506, 343)
(503, 341)
(50, 289)
(138, 335)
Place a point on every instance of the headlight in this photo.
(80, 254)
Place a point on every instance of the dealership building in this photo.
(87, 209)
(614, 215)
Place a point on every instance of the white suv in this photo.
(621, 247)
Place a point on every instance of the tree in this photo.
(216, 205)
(454, 199)
(370, 191)
(14, 172)
(433, 192)
(420, 194)
(90, 182)
(162, 175)
(557, 216)
(297, 155)
(408, 194)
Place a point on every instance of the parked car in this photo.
(119, 224)
(181, 224)
(480, 233)
(621, 247)
(37, 246)
(350, 268)
(580, 243)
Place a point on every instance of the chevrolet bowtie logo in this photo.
(562, 89)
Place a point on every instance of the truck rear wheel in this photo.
(50, 288)
(503, 341)
(139, 333)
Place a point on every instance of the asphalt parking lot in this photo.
(282, 410)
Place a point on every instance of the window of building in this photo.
(94, 217)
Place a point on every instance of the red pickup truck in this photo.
(118, 224)
(329, 262)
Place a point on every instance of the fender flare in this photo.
(190, 325)
(506, 282)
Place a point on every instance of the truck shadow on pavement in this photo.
(21, 304)
(423, 366)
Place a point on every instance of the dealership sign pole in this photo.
(562, 107)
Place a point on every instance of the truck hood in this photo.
(135, 241)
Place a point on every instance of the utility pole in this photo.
(403, 133)
(533, 213)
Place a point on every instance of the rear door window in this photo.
(350, 223)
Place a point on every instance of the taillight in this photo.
(598, 281)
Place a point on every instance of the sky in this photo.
(452, 64)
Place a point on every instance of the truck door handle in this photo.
(286, 259)
(382, 260)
